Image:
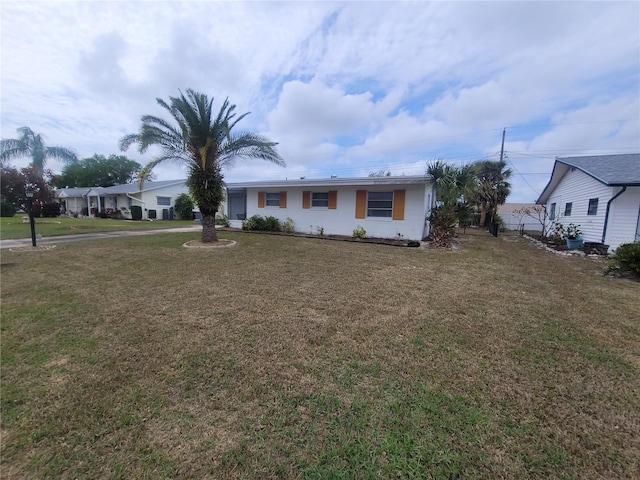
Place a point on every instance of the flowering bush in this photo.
(573, 231)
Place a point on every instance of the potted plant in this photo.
(574, 237)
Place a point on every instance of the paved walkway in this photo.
(26, 242)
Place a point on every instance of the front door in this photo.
(237, 204)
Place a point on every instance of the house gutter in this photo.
(606, 215)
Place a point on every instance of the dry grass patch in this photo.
(299, 358)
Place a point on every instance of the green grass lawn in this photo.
(287, 357)
(12, 227)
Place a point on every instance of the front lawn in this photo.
(13, 228)
(287, 357)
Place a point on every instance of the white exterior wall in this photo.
(342, 220)
(148, 199)
(622, 226)
(577, 187)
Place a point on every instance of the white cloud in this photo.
(345, 88)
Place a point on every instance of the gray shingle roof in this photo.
(612, 170)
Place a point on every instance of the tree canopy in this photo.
(99, 171)
(30, 144)
(203, 141)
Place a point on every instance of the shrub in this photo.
(359, 233)
(184, 206)
(272, 224)
(257, 223)
(627, 259)
(287, 226)
(7, 209)
(253, 223)
(51, 209)
(223, 220)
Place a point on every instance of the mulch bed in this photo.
(342, 238)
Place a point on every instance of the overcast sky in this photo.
(346, 88)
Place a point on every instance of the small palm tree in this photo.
(204, 142)
(453, 186)
(30, 144)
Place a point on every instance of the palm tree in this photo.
(453, 187)
(30, 144)
(204, 143)
(493, 187)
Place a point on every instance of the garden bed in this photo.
(395, 242)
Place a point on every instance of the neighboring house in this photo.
(386, 207)
(155, 198)
(513, 219)
(600, 193)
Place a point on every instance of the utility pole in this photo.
(502, 149)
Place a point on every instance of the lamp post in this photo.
(29, 191)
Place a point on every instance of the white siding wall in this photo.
(150, 199)
(623, 217)
(342, 220)
(577, 188)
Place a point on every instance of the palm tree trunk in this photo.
(483, 215)
(209, 233)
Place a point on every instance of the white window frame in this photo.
(161, 203)
(595, 202)
(272, 199)
(372, 207)
(320, 202)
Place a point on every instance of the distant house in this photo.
(600, 193)
(386, 207)
(156, 199)
(514, 219)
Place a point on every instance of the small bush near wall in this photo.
(257, 223)
(626, 259)
(272, 224)
(184, 206)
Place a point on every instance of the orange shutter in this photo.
(260, 199)
(333, 199)
(361, 203)
(283, 199)
(398, 204)
(306, 199)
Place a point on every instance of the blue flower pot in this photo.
(574, 243)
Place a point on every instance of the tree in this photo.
(493, 187)
(184, 206)
(204, 142)
(12, 187)
(453, 186)
(99, 171)
(380, 173)
(30, 144)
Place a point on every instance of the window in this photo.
(380, 204)
(593, 206)
(320, 199)
(166, 201)
(272, 199)
(552, 212)
(567, 209)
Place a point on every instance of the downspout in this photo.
(606, 215)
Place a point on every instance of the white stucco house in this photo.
(156, 199)
(386, 207)
(601, 193)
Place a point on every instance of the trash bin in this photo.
(136, 212)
